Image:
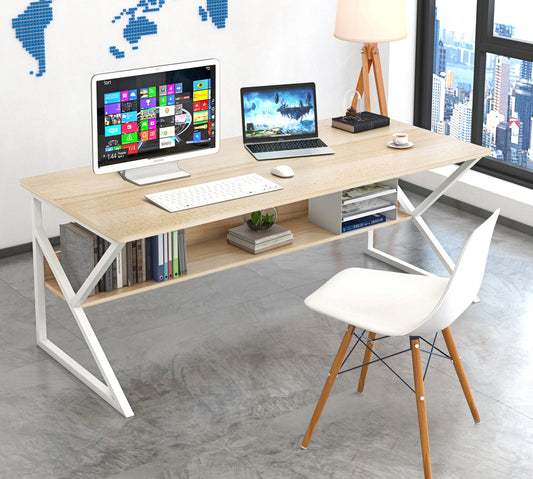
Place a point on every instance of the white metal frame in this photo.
(416, 213)
(109, 389)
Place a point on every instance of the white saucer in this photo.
(391, 144)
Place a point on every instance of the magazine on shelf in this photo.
(364, 206)
(362, 190)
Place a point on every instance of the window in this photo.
(508, 110)
(474, 79)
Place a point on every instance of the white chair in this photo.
(399, 304)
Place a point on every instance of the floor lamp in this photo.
(370, 22)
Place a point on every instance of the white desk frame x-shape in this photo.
(109, 389)
(421, 225)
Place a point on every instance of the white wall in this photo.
(401, 70)
(45, 121)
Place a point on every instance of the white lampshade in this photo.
(370, 21)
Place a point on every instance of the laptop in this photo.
(280, 121)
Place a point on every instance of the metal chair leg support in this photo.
(450, 344)
(334, 371)
(421, 405)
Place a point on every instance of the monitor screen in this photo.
(279, 111)
(147, 116)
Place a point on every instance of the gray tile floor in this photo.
(223, 374)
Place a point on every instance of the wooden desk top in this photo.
(118, 209)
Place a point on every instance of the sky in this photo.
(460, 15)
(505, 12)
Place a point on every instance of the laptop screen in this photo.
(278, 112)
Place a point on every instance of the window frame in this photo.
(485, 43)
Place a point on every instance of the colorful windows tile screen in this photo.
(156, 117)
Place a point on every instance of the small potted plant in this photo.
(261, 219)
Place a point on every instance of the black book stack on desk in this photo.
(261, 240)
(363, 121)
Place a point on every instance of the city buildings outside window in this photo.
(485, 45)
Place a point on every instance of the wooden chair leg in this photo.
(450, 344)
(366, 359)
(333, 372)
(421, 405)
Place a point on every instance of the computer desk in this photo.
(118, 211)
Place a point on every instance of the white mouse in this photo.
(283, 171)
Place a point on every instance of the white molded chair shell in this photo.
(398, 304)
(465, 280)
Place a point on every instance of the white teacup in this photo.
(400, 139)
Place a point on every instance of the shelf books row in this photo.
(157, 258)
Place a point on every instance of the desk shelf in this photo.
(337, 212)
(215, 254)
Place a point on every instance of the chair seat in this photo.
(385, 302)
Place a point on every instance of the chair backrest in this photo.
(465, 280)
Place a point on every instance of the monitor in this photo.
(145, 120)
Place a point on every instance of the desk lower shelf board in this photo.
(206, 257)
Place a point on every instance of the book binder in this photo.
(175, 255)
(158, 271)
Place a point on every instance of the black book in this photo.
(134, 261)
(182, 252)
(108, 275)
(129, 263)
(148, 258)
(365, 121)
(139, 263)
(101, 251)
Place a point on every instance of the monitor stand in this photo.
(154, 173)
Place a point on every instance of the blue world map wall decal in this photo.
(30, 25)
(137, 26)
(217, 10)
(29, 28)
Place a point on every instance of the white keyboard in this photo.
(213, 192)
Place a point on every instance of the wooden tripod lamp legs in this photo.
(333, 372)
(370, 57)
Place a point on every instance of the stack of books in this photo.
(157, 258)
(365, 121)
(261, 240)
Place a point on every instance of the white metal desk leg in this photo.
(38, 274)
(422, 225)
(430, 238)
(428, 234)
(390, 259)
(109, 390)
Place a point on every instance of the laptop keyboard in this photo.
(286, 145)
